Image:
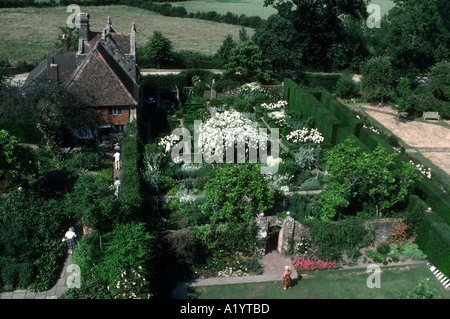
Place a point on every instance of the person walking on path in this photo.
(69, 238)
(287, 280)
(116, 147)
(116, 160)
(116, 187)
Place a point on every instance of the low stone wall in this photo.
(293, 230)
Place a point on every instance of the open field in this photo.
(28, 34)
(249, 7)
(396, 282)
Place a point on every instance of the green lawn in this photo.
(396, 282)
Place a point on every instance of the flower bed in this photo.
(304, 264)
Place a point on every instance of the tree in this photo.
(158, 50)
(377, 78)
(225, 49)
(313, 27)
(237, 193)
(439, 75)
(380, 177)
(246, 62)
(16, 161)
(279, 50)
(413, 35)
(345, 87)
(56, 113)
(91, 203)
(403, 97)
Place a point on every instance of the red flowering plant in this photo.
(399, 235)
(304, 264)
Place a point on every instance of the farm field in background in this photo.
(248, 7)
(28, 34)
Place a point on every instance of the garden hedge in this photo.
(433, 238)
(436, 198)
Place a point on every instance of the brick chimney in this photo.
(53, 74)
(64, 44)
(82, 20)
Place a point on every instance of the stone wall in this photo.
(293, 230)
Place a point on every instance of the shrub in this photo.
(345, 87)
(311, 184)
(377, 257)
(411, 250)
(383, 248)
(423, 291)
(399, 235)
(395, 259)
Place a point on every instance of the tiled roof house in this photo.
(102, 73)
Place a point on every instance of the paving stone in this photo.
(18, 295)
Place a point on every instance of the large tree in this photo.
(413, 35)
(377, 78)
(237, 193)
(158, 51)
(247, 63)
(17, 162)
(56, 113)
(311, 28)
(378, 177)
(440, 80)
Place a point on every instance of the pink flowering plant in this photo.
(305, 264)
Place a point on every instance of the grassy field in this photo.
(249, 7)
(396, 282)
(39, 27)
(29, 33)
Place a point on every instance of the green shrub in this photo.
(345, 87)
(334, 238)
(26, 274)
(423, 291)
(395, 259)
(311, 184)
(48, 265)
(411, 250)
(383, 248)
(10, 275)
(385, 262)
(377, 257)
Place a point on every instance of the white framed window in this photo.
(114, 111)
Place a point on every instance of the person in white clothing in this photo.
(69, 238)
(116, 187)
(116, 160)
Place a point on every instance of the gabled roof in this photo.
(101, 81)
(66, 65)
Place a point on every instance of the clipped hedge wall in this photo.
(433, 238)
(372, 140)
(131, 199)
(319, 80)
(435, 198)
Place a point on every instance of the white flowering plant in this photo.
(281, 104)
(279, 117)
(424, 171)
(305, 135)
(228, 129)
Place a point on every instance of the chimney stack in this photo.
(83, 26)
(64, 43)
(53, 74)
